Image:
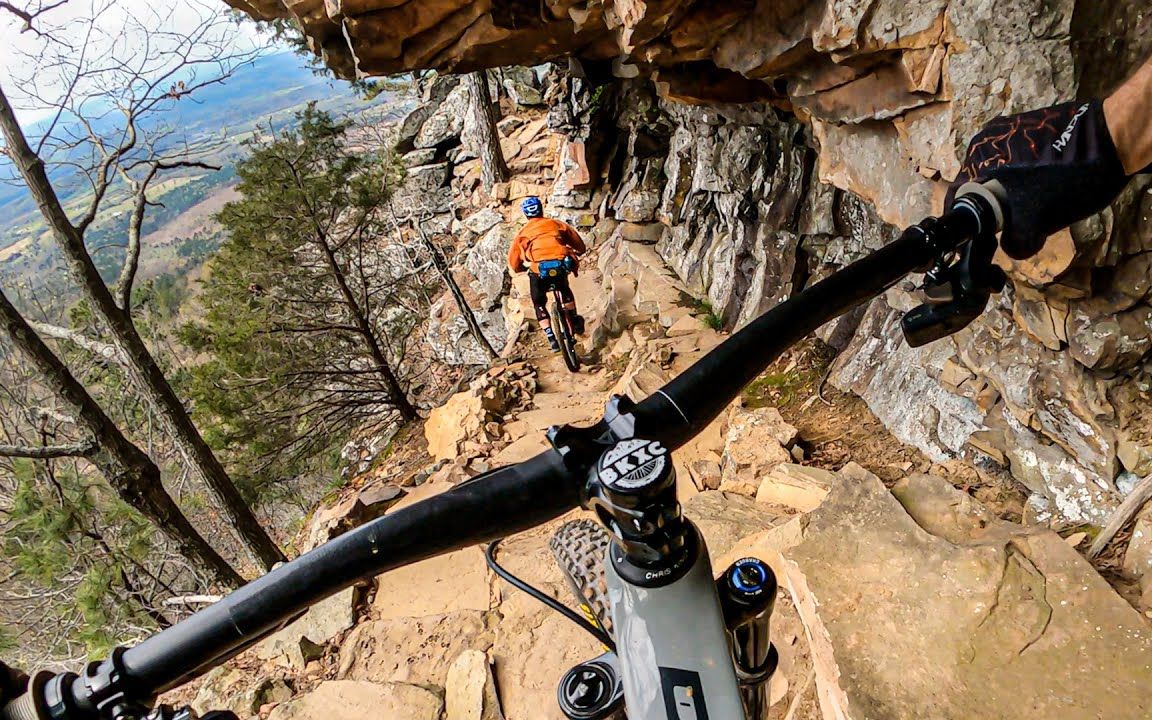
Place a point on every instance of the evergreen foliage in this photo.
(290, 372)
(67, 530)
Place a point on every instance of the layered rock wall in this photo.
(761, 143)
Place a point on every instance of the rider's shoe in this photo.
(554, 345)
(578, 324)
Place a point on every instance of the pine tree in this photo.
(66, 530)
(307, 310)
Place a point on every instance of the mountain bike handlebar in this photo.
(499, 503)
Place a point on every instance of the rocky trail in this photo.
(927, 510)
(911, 586)
(901, 596)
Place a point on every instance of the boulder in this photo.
(424, 189)
(687, 325)
(724, 519)
(519, 189)
(509, 148)
(231, 688)
(418, 158)
(354, 700)
(1138, 554)
(521, 449)
(642, 377)
(470, 693)
(509, 125)
(1102, 339)
(304, 640)
(639, 195)
(467, 415)
(432, 97)
(521, 85)
(1000, 619)
(487, 259)
(796, 487)
(642, 232)
(446, 123)
(412, 650)
(756, 441)
(353, 511)
(219, 689)
(449, 425)
(482, 220)
(1135, 454)
(705, 473)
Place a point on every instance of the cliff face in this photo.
(760, 144)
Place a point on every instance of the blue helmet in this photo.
(532, 207)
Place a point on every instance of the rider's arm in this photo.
(571, 238)
(1060, 164)
(1128, 111)
(516, 255)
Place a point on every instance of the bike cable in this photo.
(596, 632)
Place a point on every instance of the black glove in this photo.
(1058, 165)
(12, 683)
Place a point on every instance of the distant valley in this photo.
(179, 231)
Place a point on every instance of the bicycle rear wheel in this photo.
(562, 322)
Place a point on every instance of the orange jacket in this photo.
(543, 239)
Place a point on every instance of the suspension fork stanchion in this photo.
(747, 592)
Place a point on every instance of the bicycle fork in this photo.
(674, 622)
(689, 646)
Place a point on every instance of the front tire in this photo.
(580, 548)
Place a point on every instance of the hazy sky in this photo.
(115, 31)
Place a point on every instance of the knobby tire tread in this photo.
(580, 547)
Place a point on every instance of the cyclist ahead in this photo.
(549, 249)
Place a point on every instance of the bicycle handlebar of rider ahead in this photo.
(502, 502)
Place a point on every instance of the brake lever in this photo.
(955, 294)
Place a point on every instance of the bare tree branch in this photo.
(84, 448)
(100, 349)
(191, 600)
(28, 16)
(123, 288)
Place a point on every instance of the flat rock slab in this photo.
(794, 486)
(755, 443)
(412, 650)
(535, 646)
(443, 584)
(354, 700)
(545, 400)
(724, 518)
(296, 643)
(936, 610)
(526, 447)
(547, 417)
(470, 693)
